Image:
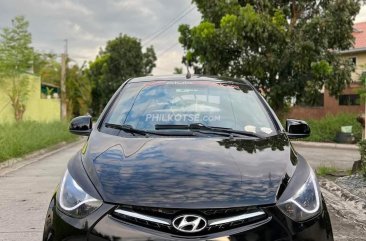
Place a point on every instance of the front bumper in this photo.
(101, 226)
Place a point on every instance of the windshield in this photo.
(146, 105)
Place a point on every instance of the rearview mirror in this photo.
(81, 125)
(297, 129)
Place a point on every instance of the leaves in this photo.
(78, 91)
(47, 67)
(16, 57)
(122, 59)
(178, 70)
(16, 54)
(289, 46)
(149, 59)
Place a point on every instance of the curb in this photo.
(17, 163)
(344, 202)
(325, 145)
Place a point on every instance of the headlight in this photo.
(305, 204)
(73, 200)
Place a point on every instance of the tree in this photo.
(178, 70)
(97, 74)
(78, 86)
(149, 59)
(16, 57)
(78, 92)
(122, 59)
(47, 67)
(286, 48)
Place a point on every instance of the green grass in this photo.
(325, 130)
(324, 170)
(19, 139)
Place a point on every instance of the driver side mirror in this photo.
(297, 129)
(81, 125)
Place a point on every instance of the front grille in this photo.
(218, 220)
(213, 213)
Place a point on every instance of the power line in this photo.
(164, 29)
(166, 50)
(147, 37)
(169, 48)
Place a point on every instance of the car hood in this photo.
(188, 172)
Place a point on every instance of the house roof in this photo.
(50, 85)
(359, 32)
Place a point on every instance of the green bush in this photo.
(19, 139)
(325, 129)
(324, 170)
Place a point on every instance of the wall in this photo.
(360, 64)
(331, 106)
(37, 109)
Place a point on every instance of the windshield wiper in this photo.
(130, 129)
(202, 127)
(127, 128)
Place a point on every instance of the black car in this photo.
(176, 158)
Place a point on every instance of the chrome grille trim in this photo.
(235, 218)
(142, 216)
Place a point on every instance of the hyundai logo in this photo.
(189, 223)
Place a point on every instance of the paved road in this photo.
(25, 194)
(339, 158)
(346, 230)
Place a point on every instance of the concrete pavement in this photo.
(328, 156)
(25, 195)
(327, 145)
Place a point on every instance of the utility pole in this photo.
(63, 83)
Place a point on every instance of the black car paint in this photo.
(81, 125)
(188, 172)
(135, 171)
(100, 225)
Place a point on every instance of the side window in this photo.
(349, 99)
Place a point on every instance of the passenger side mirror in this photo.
(81, 125)
(297, 129)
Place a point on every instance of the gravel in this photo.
(355, 184)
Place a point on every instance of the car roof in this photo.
(184, 78)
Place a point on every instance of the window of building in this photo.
(314, 101)
(50, 91)
(349, 99)
(353, 60)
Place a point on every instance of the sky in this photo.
(89, 24)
